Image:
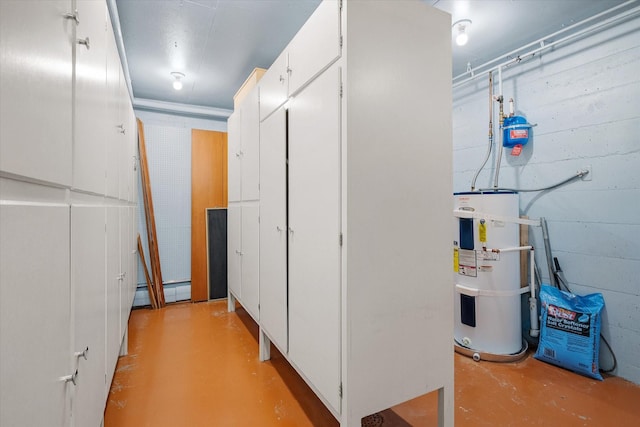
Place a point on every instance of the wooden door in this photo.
(273, 228)
(314, 234)
(208, 190)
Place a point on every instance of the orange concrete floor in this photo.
(196, 365)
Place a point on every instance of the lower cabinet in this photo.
(88, 283)
(242, 253)
(34, 315)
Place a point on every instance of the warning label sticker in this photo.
(467, 263)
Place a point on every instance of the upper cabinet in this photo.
(316, 46)
(35, 135)
(243, 152)
(89, 150)
(274, 86)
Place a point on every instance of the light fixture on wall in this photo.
(177, 83)
(461, 25)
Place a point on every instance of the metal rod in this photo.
(546, 46)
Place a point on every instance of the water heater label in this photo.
(467, 263)
(456, 260)
(488, 256)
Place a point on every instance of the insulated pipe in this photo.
(547, 251)
(534, 330)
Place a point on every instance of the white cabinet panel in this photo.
(316, 45)
(250, 146)
(273, 86)
(250, 260)
(112, 290)
(234, 164)
(112, 118)
(88, 282)
(273, 228)
(125, 132)
(234, 242)
(125, 273)
(35, 136)
(314, 238)
(35, 347)
(89, 150)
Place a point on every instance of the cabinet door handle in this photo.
(239, 252)
(70, 378)
(281, 78)
(290, 230)
(83, 353)
(289, 70)
(280, 230)
(75, 16)
(85, 42)
(122, 129)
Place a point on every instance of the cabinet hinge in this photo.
(341, 90)
(340, 390)
(340, 239)
(340, 41)
(340, 5)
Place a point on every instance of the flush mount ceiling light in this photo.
(461, 25)
(177, 83)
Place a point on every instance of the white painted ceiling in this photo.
(217, 43)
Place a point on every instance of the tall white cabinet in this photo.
(355, 198)
(67, 211)
(244, 196)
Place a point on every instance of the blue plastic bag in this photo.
(570, 330)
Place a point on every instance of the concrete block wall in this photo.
(585, 99)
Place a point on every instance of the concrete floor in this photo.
(197, 365)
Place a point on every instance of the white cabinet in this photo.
(249, 260)
(34, 314)
(234, 162)
(67, 259)
(250, 146)
(273, 228)
(314, 234)
(88, 272)
(358, 169)
(296, 65)
(274, 86)
(36, 43)
(316, 46)
(89, 150)
(243, 211)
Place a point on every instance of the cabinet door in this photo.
(125, 129)
(234, 244)
(273, 228)
(250, 146)
(250, 260)
(89, 149)
(316, 45)
(234, 165)
(112, 291)
(125, 274)
(112, 118)
(35, 83)
(88, 273)
(314, 237)
(34, 284)
(273, 86)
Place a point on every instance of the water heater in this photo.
(487, 281)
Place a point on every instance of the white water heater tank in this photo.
(487, 281)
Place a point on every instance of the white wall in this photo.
(168, 143)
(585, 98)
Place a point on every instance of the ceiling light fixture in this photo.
(462, 38)
(177, 83)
